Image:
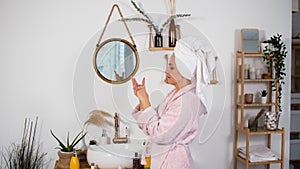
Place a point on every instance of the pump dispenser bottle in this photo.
(148, 162)
(74, 162)
(92, 165)
(136, 161)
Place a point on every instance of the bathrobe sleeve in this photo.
(173, 121)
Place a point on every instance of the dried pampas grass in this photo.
(99, 118)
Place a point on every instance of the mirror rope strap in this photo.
(121, 15)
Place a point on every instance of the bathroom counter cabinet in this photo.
(242, 109)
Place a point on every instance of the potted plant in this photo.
(65, 150)
(263, 95)
(275, 54)
(27, 154)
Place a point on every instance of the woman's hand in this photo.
(141, 93)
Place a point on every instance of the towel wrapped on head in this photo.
(195, 61)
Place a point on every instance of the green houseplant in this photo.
(66, 149)
(263, 94)
(275, 54)
(27, 154)
(69, 147)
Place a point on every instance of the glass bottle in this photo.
(172, 34)
(158, 40)
(136, 161)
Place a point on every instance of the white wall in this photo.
(46, 64)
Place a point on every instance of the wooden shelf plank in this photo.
(239, 53)
(160, 48)
(257, 105)
(260, 131)
(256, 80)
(257, 163)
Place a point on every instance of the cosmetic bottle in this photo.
(74, 162)
(92, 165)
(172, 34)
(136, 161)
(104, 139)
(148, 162)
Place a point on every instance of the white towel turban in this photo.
(195, 61)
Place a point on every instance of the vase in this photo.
(271, 120)
(252, 124)
(248, 98)
(172, 34)
(63, 161)
(158, 40)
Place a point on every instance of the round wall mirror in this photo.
(116, 60)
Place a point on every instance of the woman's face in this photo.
(172, 74)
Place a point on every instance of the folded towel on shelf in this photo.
(258, 153)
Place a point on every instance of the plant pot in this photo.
(263, 99)
(63, 161)
(248, 98)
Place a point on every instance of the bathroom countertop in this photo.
(83, 165)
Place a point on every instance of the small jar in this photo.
(252, 73)
(258, 74)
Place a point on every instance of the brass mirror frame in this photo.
(135, 54)
(258, 43)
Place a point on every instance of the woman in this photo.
(174, 123)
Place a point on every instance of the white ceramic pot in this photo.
(263, 99)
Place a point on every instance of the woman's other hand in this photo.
(141, 93)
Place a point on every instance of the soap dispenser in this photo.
(136, 161)
(104, 139)
(74, 162)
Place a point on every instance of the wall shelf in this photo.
(151, 41)
(160, 48)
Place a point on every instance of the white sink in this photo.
(112, 156)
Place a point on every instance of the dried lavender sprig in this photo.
(143, 20)
(173, 17)
(150, 21)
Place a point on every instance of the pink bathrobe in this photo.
(173, 124)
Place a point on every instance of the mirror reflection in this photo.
(250, 40)
(116, 60)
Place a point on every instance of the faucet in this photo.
(117, 138)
